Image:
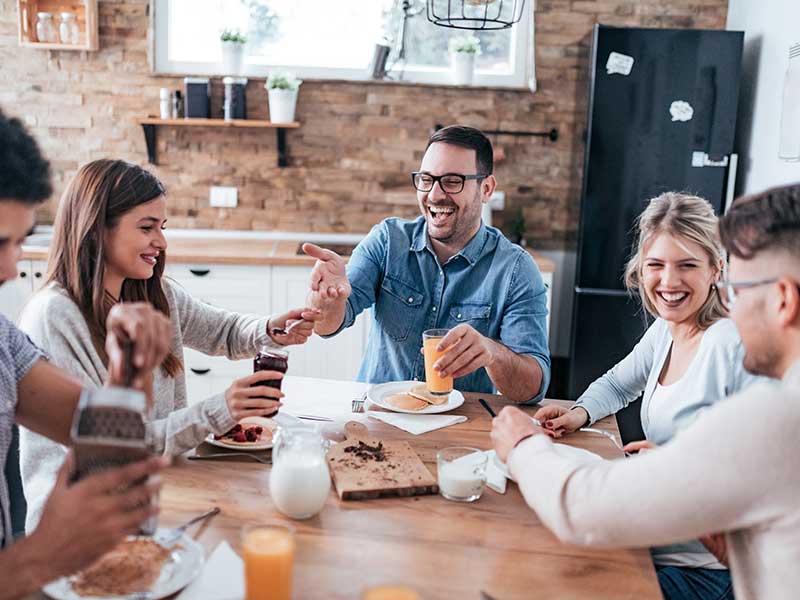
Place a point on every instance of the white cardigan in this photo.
(715, 372)
(733, 470)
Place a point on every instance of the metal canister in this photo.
(235, 105)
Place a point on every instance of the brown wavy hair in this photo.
(93, 203)
(686, 217)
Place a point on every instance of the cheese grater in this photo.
(108, 430)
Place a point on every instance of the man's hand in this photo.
(300, 333)
(466, 351)
(149, 330)
(716, 544)
(81, 522)
(509, 428)
(329, 288)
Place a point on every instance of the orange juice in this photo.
(435, 383)
(390, 592)
(268, 553)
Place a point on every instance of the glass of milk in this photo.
(461, 473)
(300, 481)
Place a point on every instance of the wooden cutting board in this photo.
(359, 475)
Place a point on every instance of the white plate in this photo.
(248, 446)
(378, 392)
(183, 566)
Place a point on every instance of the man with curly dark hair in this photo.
(83, 520)
(24, 172)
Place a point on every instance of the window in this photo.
(321, 39)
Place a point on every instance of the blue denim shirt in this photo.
(492, 285)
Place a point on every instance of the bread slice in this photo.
(421, 392)
(406, 402)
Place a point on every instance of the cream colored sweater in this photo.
(734, 470)
(54, 323)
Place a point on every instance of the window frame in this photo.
(523, 76)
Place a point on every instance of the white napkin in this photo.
(495, 478)
(222, 577)
(417, 424)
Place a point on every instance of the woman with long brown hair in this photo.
(109, 247)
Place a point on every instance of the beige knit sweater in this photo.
(734, 470)
(54, 323)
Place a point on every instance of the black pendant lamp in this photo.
(475, 15)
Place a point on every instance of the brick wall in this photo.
(351, 158)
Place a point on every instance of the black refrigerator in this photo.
(661, 116)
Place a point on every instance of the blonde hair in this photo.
(683, 216)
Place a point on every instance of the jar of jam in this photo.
(269, 359)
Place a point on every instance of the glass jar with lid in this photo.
(300, 481)
(45, 28)
(68, 30)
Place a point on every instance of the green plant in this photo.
(282, 80)
(516, 227)
(465, 44)
(232, 35)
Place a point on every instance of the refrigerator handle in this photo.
(733, 164)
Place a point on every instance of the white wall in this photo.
(770, 27)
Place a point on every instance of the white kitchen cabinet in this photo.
(338, 357)
(14, 294)
(237, 288)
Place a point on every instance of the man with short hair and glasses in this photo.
(732, 475)
(444, 270)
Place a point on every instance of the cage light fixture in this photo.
(475, 15)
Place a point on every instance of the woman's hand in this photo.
(509, 428)
(300, 333)
(715, 542)
(641, 447)
(248, 397)
(560, 420)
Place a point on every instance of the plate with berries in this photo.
(251, 433)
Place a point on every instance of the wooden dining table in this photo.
(496, 546)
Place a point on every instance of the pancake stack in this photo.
(417, 398)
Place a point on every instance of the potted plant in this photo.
(232, 51)
(516, 227)
(463, 50)
(282, 89)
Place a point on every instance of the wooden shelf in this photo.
(149, 128)
(218, 123)
(49, 46)
(85, 12)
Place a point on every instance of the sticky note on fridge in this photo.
(680, 110)
(619, 63)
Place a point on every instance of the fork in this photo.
(610, 436)
(169, 537)
(357, 405)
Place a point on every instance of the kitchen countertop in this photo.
(249, 250)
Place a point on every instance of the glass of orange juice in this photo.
(390, 592)
(268, 552)
(435, 383)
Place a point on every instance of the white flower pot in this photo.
(232, 57)
(281, 105)
(463, 67)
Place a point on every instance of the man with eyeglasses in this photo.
(735, 469)
(444, 270)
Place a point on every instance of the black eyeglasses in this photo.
(452, 183)
(726, 289)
